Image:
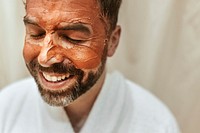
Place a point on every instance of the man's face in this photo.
(65, 47)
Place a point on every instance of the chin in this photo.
(64, 92)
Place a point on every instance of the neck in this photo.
(79, 110)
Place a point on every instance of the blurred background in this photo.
(159, 49)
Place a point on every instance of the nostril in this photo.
(48, 61)
(43, 63)
(43, 60)
(55, 59)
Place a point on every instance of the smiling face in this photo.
(66, 47)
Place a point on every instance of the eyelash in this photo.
(38, 36)
(74, 41)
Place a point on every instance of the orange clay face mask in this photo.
(64, 30)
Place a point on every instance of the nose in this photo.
(48, 54)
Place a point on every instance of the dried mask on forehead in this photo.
(79, 8)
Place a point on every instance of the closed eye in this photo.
(37, 36)
(71, 40)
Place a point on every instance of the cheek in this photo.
(81, 56)
(30, 52)
(84, 57)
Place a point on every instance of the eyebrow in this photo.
(76, 27)
(29, 21)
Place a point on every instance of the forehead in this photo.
(61, 9)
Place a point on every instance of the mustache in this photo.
(59, 68)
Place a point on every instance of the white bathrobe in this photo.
(121, 107)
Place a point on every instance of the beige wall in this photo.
(11, 41)
(159, 50)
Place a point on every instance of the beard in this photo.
(63, 97)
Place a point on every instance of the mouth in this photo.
(55, 78)
(53, 81)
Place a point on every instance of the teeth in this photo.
(63, 77)
(67, 75)
(55, 78)
(59, 78)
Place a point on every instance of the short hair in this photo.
(110, 9)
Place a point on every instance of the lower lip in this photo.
(55, 85)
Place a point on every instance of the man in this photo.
(66, 46)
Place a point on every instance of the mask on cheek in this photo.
(81, 56)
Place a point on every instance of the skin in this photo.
(72, 33)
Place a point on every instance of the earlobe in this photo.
(114, 41)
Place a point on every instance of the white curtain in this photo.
(159, 49)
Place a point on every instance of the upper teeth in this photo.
(55, 78)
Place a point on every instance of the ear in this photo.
(114, 41)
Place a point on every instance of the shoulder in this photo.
(15, 99)
(17, 93)
(146, 110)
(18, 88)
